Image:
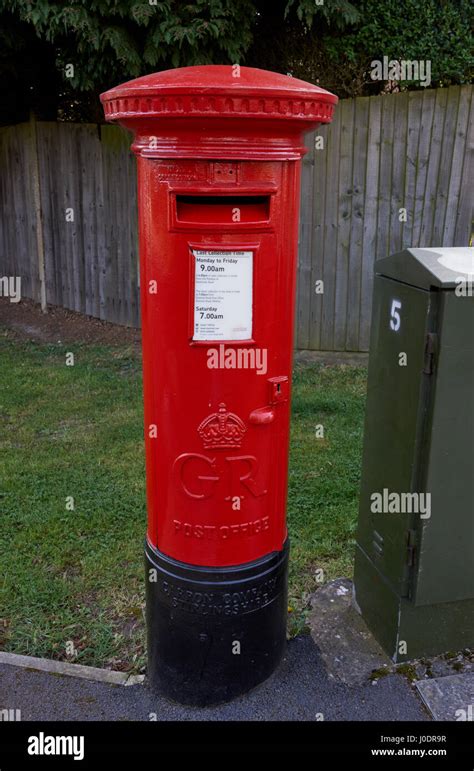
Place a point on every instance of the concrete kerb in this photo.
(68, 669)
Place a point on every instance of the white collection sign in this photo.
(222, 295)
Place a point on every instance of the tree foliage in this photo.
(436, 30)
(335, 43)
(123, 38)
(109, 41)
(339, 13)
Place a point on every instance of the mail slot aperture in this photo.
(225, 210)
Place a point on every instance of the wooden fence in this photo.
(409, 151)
(88, 225)
(392, 171)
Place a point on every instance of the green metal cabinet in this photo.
(414, 566)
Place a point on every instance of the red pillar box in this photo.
(218, 151)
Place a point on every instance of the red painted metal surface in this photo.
(218, 172)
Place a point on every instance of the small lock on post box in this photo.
(218, 150)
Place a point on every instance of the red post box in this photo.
(218, 151)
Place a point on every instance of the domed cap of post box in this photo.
(214, 111)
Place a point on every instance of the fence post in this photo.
(35, 178)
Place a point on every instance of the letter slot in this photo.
(229, 210)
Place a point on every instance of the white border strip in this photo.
(70, 670)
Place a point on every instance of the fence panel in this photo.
(390, 171)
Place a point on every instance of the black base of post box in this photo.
(214, 633)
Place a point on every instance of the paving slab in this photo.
(449, 698)
(352, 656)
(347, 646)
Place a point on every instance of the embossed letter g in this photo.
(187, 467)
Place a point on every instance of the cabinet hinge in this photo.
(411, 547)
(431, 347)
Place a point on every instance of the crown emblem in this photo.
(222, 429)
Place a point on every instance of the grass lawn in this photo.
(71, 581)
